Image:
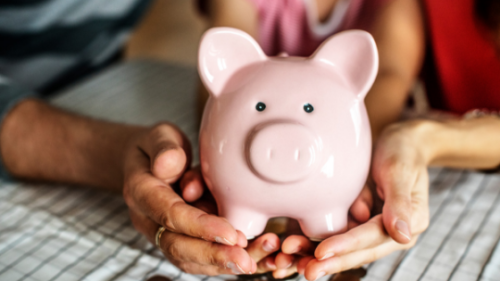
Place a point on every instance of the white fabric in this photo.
(334, 21)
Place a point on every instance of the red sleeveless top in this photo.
(466, 64)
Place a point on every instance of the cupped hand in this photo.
(399, 170)
(298, 250)
(195, 241)
(262, 250)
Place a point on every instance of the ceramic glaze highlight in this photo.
(286, 136)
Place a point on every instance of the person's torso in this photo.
(43, 41)
(292, 26)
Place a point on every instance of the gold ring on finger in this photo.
(159, 232)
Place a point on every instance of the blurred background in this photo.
(170, 31)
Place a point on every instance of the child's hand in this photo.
(261, 250)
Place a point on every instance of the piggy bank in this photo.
(286, 136)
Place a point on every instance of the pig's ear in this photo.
(223, 51)
(354, 55)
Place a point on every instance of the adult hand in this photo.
(399, 170)
(194, 241)
(261, 250)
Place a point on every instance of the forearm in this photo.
(240, 14)
(43, 143)
(399, 33)
(385, 101)
(473, 144)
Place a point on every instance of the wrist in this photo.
(427, 135)
(420, 135)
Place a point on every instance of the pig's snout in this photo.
(282, 152)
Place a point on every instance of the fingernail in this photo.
(327, 256)
(223, 241)
(235, 268)
(403, 229)
(320, 274)
(270, 264)
(268, 246)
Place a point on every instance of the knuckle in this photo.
(173, 214)
(339, 266)
(184, 266)
(163, 128)
(212, 271)
(172, 251)
(214, 261)
(165, 220)
(354, 240)
(157, 129)
(214, 255)
(373, 255)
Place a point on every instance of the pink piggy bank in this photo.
(286, 136)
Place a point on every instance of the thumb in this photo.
(396, 213)
(394, 182)
(166, 147)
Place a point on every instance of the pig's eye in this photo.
(260, 106)
(308, 108)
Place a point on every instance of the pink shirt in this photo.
(292, 26)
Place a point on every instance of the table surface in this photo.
(50, 232)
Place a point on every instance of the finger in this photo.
(284, 261)
(194, 268)
(361, 208)
(210, 270)
(166, 147)
(181, 249)
(284, 273)
(242, 240)
(397, 184)
(143, 224)
(206, 203)
(263, 246)
(367, 235)
(286, 265)
(298, 244)
(192, 186)
(187, 249)
(160, 203)
(420, 204)
(316, 269)
(302, 263)
(267, 264)
(351, 222)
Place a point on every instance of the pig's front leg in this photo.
(250, 222)
(319, 226)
